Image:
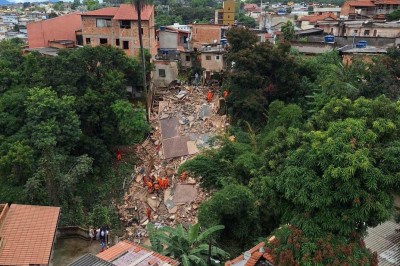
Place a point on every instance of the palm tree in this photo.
(139, 6)
(189, 246)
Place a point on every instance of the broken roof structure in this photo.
(90, 260)
(27, 234)
(385, 241)
(255, 256)
(128, 253)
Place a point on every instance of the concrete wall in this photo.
(312, 48)
(168, 39)
(59, 28)
(171, 72)
(212, 61)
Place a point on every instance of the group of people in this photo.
(154, 184)
(100, 234)
(210, 95)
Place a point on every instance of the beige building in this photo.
(362, 29)
(118, 27)
(165, 72)
(213, 60)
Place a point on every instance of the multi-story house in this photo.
(363, 9)
(118, 27)
(226, 15)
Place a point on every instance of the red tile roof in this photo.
(315, 18)
(28, 234)
(128, 12)
(123, 12)
(106, 12)
(255, 256)
(116, 251)
(360, 3)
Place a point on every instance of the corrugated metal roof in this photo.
(90, 260)
(385, 240)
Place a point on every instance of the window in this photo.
(208, 57)
(103, 41)
(228, 16)
(188, 58)
(117, 42)
(103, 22)
(161, 73)
(141, 29)
(87, 40)
(355, 31)
(217, 57)
(375, 32)
(125, 45)
(366, 33)
(125, 24)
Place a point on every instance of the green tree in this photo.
(395, 15)
(236, 207)
(342, 162)
(288, 30)
(75, 4)
(289, 246)
(132, 122)
(91, 4)
(190, 246)
(59, 6)
(246, 21)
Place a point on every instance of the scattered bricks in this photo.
(181, 112)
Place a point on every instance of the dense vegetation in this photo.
(317, 145)
(60, 119)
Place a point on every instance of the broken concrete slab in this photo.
(192, 148)
(175, 147)
(153, 203)
(167, 194)
(173, 210)
(169, 203)
(162, 105)
(169, 127)
(205, 111)
(184, 193)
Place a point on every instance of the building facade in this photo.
(226, 15)
(118, 27)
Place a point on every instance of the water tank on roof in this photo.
(224, 41)
(162, 28)
(361, 44)
(329, 39)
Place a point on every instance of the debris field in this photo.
(183, 120)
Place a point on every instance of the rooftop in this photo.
(252, 256)
(28, 234)
(123, 12)
(349, 49)
(128, 253)
(360, 3)
(315, 18)
(385, 240)
(90, 260)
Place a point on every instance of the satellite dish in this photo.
(247, 255)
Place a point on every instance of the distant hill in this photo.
(4, 2)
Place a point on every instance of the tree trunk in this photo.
(139, 11)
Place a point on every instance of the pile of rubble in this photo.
(182, 122)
